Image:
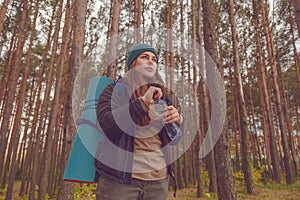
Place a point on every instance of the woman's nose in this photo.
(150, 61)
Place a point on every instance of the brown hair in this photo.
(140, 87)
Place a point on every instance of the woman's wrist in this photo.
(144, 104)
(180, 121)
(145, 101)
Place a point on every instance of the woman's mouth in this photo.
(149, 69)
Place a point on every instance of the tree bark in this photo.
(26, 137)
(265, 102)
(210, 163)
(282, 124)
(113, 40)
(200, 92)
(210, 46)
(287, 114)
(45, 181)
(296, 59)
(179, 173)
(252, 123)
(7, 72)
(66, 191)
(246, 164)
(253, 135)
(4, 131)
(296, 5)
(137, 20)
(29, 173)
(297, 126)
(169, 46)
(37, 173)
(235, 117)
(15, 137)
(2, 15)
(225, 178)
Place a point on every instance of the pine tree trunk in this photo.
(66, 188)
(187, 155)
(26, 137)
(209, 160)
(108, 34)
(169, 46)
(265, 102)
(190, 166)
(45, 181)
(179, 173)
(56, 178)
(196, 147)
(37, 174)
(297, 126)
(225, 178)
(200, 89)
(15, 137)
(296, 5)
(282, 124)
(288, 119)
(253, 136)
(252, 123)
(199, 140)
(137, 20)
(246, 164)
(28, 174)
(296, 59)
(235, 117)
(6, 73)
(3, 14)
(113, 39)
(12, 84)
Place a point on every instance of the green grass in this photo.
(271, 191)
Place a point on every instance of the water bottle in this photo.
(173, 130)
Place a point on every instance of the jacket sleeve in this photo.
(116, 114)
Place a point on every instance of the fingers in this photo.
(156, 92)
(152, 94)
(171, 115)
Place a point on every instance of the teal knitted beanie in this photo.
(136, 50)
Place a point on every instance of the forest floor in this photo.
(268, 192)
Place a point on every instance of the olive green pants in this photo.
(138, 190)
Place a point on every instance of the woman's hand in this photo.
(152, 94)
(172, 115)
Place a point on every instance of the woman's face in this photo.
(146, 64)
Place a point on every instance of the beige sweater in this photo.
(149, 162)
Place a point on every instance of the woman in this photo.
(131, 161)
